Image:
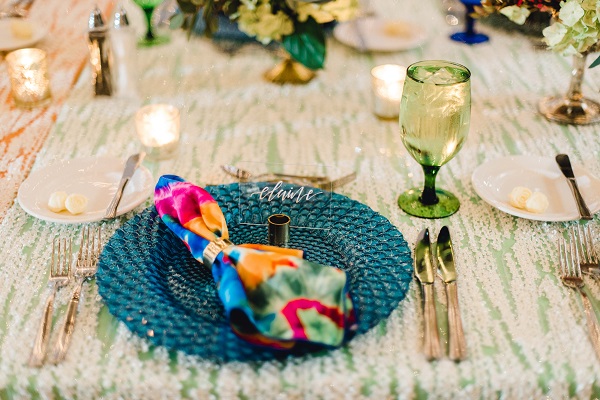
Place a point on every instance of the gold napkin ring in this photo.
(213, 249)
(279, 230)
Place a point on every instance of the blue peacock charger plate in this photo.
(149, 280)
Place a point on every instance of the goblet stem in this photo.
(470, 21)
(148, 11)
(574, 92)
(573, 108)
(429, 197)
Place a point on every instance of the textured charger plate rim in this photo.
(146, 321)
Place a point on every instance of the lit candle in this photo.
(387, 81)
(28, 72)
(157, 126)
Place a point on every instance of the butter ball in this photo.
(56, 201)
(76, 203)
(519, 196)
(537, 203)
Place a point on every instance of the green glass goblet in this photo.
(435, 114)
(151, 38)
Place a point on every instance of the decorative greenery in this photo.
(295, 23)
(576, 27)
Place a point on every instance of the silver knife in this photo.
(133, 162)
(457, 348)
(565, 166)
(425, 275)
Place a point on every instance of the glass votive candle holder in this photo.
(387, 81)
(157, 126)
(28, 73)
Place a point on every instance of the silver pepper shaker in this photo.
(100, 54)
(123, 49)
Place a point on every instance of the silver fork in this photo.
(584, 247)
(60, 273)
(86, 267)
(570, 274)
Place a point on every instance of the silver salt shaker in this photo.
(123, 42)
(100, 54)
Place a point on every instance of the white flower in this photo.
(570, 51)
(516, 14)
(554, 34)
(570, 12)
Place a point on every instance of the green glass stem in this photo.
(429, 197)
(148, 11)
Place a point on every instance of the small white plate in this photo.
(380, 35)
(96, 178)
(493, 181)
(9, 42)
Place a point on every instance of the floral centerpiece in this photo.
(576, 27)
(575, 31)
(297, 24)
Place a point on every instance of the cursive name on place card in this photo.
(276, 192)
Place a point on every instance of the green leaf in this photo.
(209, 15)
(307, 44)
(188, 7)
(596, 62)
(177, 21)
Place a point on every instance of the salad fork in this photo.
(86, 267)
(570, 274)
(60, 273)
(584, 247)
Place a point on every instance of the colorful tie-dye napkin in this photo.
(272, 296)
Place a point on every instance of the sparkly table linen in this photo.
(525, 332)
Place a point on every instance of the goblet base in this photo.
(573, 112)
(155, 41)
(410, 202)
(469, 38)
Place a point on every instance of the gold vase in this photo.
(573, 108)
(289, 71)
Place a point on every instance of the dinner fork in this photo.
(570, 274)
(584, 247)
(86, 267)
(60, 273)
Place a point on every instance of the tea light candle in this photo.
(157, 126)
(387, 81)
(28, 72)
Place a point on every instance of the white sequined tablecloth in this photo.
(525, 332)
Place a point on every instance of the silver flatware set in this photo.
(426, 269)
(318, 181)
(61, 274)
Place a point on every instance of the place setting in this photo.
(171, 298)
(375, 211)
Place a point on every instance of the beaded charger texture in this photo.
(149, 280)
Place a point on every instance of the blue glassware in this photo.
(469, 36)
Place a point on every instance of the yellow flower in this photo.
(339, 10)
(260, 22)
(342, 10)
